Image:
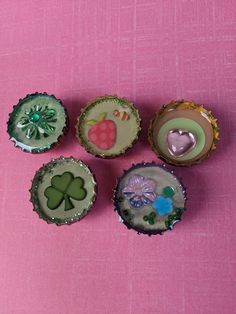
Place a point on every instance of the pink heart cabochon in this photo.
(180, 142)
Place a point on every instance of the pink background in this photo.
(150, 51)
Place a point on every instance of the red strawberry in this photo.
(102, 132)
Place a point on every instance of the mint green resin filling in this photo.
(37, 122)
(182, 124)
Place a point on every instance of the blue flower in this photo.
(163, 205)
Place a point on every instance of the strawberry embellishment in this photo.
(102, 132)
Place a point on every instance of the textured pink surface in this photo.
(150, 51)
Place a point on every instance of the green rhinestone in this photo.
(35, 117)
(168, 191)
(51, 111)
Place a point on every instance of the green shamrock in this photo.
(63, 187)
(128, 215)
(176, 216)
(150, 219)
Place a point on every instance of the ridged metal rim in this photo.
(92, 104)
(43, 148)
(38, 178)
(116, 201)
(192, 106)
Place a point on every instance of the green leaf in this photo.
(76, 190)
(37, 135)
(55, 197)
(68, 203)
(65, 187)
(46, 127)
(50, 114)
(23, 121)
(151, 221)
(62, 182)
(31, 130)
(91, 122)
(152, 215)
(178, 212)
(24, 128)
(102, 116)
(52, 119)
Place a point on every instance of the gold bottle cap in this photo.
(149, 199)
(183, 133)
(108, 126)
(63, 191)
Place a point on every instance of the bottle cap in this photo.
(108, 126)
(149, 199)
(37, 122)
(63, 191)
(183, 133)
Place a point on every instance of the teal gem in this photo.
(35, 117)
(168, 191)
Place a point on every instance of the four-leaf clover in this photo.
(63, 188)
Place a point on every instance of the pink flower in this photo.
(140, 191)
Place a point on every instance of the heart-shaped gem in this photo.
(180, 142)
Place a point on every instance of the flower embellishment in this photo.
(163, 204)
(63, 188)
(38, 121)
(140, 191)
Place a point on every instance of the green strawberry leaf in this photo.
(91, 122)
(102, 116)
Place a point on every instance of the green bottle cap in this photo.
(149, 199)
(108, 126)
(37, 122)
(63, 191)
